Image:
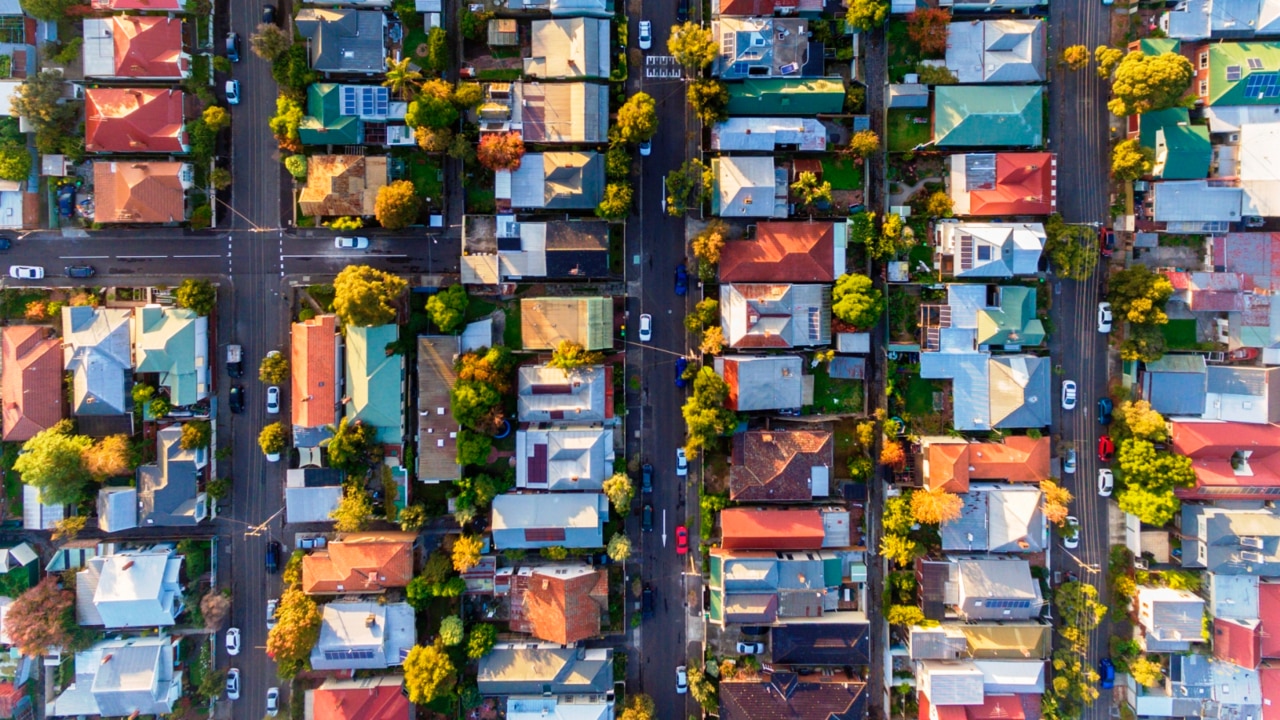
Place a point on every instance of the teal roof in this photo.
(375, 381)
(324, 123)
(991, 116)
(783, 96)
(1187, 153)
(1014, 322)
(1158, 46)
(1150, 122)
(174, 342)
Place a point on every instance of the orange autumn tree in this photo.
(892, 454)
(501, 151)
(928, 29)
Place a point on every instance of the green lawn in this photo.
(920, 396)
(480, 199)
(511, 333)
(1180, 334)
(904, 55)
(843, 175)
(499, 74)
(426, 174)
(477, 308)
(412, 40)
(835, 395)
(904, 133)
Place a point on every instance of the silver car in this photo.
(1106, 482)
(351, 243)
(1068, 394)
(273, 400)
(1069, 464)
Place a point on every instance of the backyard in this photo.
(835, 395)
(1180, 334)
(427, 177)
(908, 128)
(843, 174)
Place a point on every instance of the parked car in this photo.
(80, 271)
(682, 364)
(1106, 241)
(646, 518)
(646, 601)
(646, 147)
(682, 279)
(233, 641)
(1071, 533)
(26, 272)
(236, 399)
(1068, 394)
(682, 540)
(1105, 407)
(646, 478)
(1104, 317)
(682, 680)
(1106, 482)
(646, 34)
(233, 47)
(1106, 448)
(66, 200)
(233, 92)
(233, 684)
(273, 701)
(682, 463)
(5, 243)
(273, 556)
(751, 648)
(271, 612)
(269, 14)
(1106, 674)
(682, 11)
(1069, 463)
(273, 400)
(235, 361)
(646, 327)
(351, 243)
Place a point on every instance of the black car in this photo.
(682, 12)
(646, 602)
(237, 399)
(646, 519)
(80, 271)
(269, 14)
(646, 478)
(273, 556)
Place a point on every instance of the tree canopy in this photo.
(1143, 83)
(856, 301)
(1141, 420)
(866, 15)
(448, 308)
(1072, 249)
(428, 673)
(709, 99)
(1131, 161)
(350, 445)
(928, 28)
(809, 192)
(42, 618)
(434, 107)
(616, 204)
(296, 630)
(1148, 478)
(273, 438)
(53, 462)
(705, 414)
(935, 506)
(269, 41)
(1075, 57)
(637, 119)
(365, 296)
(480, 640)
(620, 491)
(274, 369)
(354, 511)
(1139, 295)
(466, 552)
(111, 456)
(501, 151)
(397, 205)
(570, 355)
(619, 547)
(693, 46)
(1107, 58)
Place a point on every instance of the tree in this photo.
(297, 166)
(637, 119)
(15, 162)
(863, 144)
(639, 707)
(284, 124)
(1107, 58)
(619, 547)
(900, 549)
(1130, 161)
(892, 455)
(936, 75)
(620, 491)
(866, 15)
(474, 24)
(366, 297)
(1142, 465)
(891, 241)
(501, 151)
(1073, 249)
(448, 308)
(434, 140)
(1075, 57)
(292, 71)
(705, 415)
(481, 640)
(220, 178)
(569, 355)
(159, 407)
(272, 439)
(686, 186)
(274, 369)
(43, 618)
(705, 314)
(855, 301)
(466, 552)
(1057, 502)
(413, 517)
(402, 78)
(709, 99)
(935, 506)
(350, 445)
(693, 46)
(52, 10)
(476, 405)
(809, 191)
(296, 630)
(198, 296)
(215, 606)
(708, 244)
(1139, 295)
(898, 519)
(434, 106)
(616, 203)
(53, 462)
(712, 341)
(1142, 421)
(1144, 342)
(39, 100)
(269, 42)
(216, 117)
(617, 162)
(437, 59)
(467, 95)
(452, 631)
(939, 205)
(928, 29)
(555, 552)
(109, 457)
(428, 673)
(1153, 507)
(904, 615)
(69, 528)
(354, 510)
(397, 205)
(1143, 83)
(473, 448)
(196, 435)
(702, 690)
(1146, 672)
(1077, 602)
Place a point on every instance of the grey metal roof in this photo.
(537, 668)
(547, 394)
(773, 382)
(344, 41)
(167, 489)
(940, 642)
(117, 508)
(1175, 615)
(1004, 579)
(558, 181)
(1232, 541)
(1243, 394)
(1176, 384)
(1231, 597)
(1196, 201)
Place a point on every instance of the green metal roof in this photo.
(1158, 46)
(375, 381)
(1150, 122)
(1245, 73)
(975, 116)
(1014, 322)
(1188, 153)
(168, 341)
(324, 123)
(782, 96)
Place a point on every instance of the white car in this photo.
(273, 400)
(682, 463)
(646, 327)
(273, 701)
(351, 243)
(233, 92)
(1071, 533)
(1068, 394)
(1106, 482)
(682, 680)
(233, 641)
(646, 35)
(26, 272)
(1069, 464)
(754, 648)
(271, 612)
(233, 684)
(1104, 317)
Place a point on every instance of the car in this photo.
(233, 92)
(233, 684)
(682, 11)
(1069, 463)
(646, 148)
(682, 680)
(1071, 533)
(269, 14)
(1107, 2)
(646, 327)
(26, 272)
(1104, 317)
(271, 612)
(1106, 448)
(682, 279)
(682, 364)
(80, 271)
(273, 557)
(682, 463)
(1106, 674)
(273, 701)
(1105, 406)
(233, 641)
(5, 243)
(1068, 394)
(646, 478)
(646, 34)
(682, 540)
(67, 200)
(1106, 482)
(351, 243)
(646, 518)
(646, 601)
(1106, 241)
(750, 648)
(273, 400)
(236, 399)
(233, 47)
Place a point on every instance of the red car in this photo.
(682, 540)
(1106, 241)
(1106, 448)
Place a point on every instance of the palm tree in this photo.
(401, 78)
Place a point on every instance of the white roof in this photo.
(1196, 201)
(35, 514)
(994, 250)
(363, 635)
(996, 51)
(591, 707)
(137, 588)
(16, 557)
(764, 134)
(1012, 676)
(1230, 118)
(1260, 169)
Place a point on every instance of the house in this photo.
(375, 382)
(1235, 74)
(762, 588)
(1171, 619)
(314, 358)
(748, 187)
(769, 134)
(1175, 384)
(781, 465)
(1231, 541)
(981, 316)
(821, 644)
(341, 114)
(1202, 19)
(123, 677)
(311, 494)
(368, 698)
(1247, 638)
(135, 120)
(567, 180)
(748, 8)
(437, 430)
(988, 250)
(569, 49)
(758, 528)
(1232, 460)
(1196, 206)
(1003, 184)
(1248, 254)
(789, 695)
(981, 641)
(141, 192)
(130, 589)
(37, 515)
(31, 377)
(345, 185)
(962, 6)
(560, 707)
(763, 47)
(168, 492)
(359, 564)
(498, 249)
(560, 113)
(980, 688)
(173, 342)
(904, 96)
(949, 463)
(770, 97)
(545, 322)
(1182, 150)
(1004, 391)
(989, 588)
(786, 252)
(344, 42)
(1242, 394)
(987, 116)
(566, 458)
(547, 394)
(570, 520)
(97, 351)
(363, 636)
(561, 603)
(135, 47)
(756, 316)
(998, 518)
(997, 51)
(1216, 292)
(765, 382)
(540, 669)
(1259, 169)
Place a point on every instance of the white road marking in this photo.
(333, 255)
(141, 257)
(197, 256)
(83, 257)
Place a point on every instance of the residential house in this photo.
(31, 381)
(789, 695)
(315, 356)
(826, 644)
(949, 463)
(311, 494)
(786, 252)
(1248, 254)
(1197, 682)
(997, 51)
(756, 316)
(375, 382)
(1236, 74)
(363, 636)
(1175, 384)
(769, 135)
(752, 187)
(559, 707)
(988, 250)
(747, 8)
(173, 342)
(342, 185)
(1247, 636)
(1231, 541)
(980, 688)
(569, 49)
(1231, 460)
(545, 322)
(498, 249)
(1182, 149)
(349, 114)
(981, 316)
(564, 458)
(562, 603)
(1196, 206)
(130, 589)
(765, 382)
(1258, 169)
(360, 564)
(166, 6)
(1202, 19)
(141, 192)
(437, 430)
(97, 351)
(563, 8)
(1170, 619)
(807, 97)
(135, 47)
(979, 588)
(1000, 391)
(168, 492)
(981, 641)
(1242, 394)
(988, 116)
(762, 588)
(546, 394)
(344, 42)
(998, 518)
(368, 698)
(570, 520)
(556, 181)
(123, 677)
(982, 6)
(1244, 301)
(36, 515)
(540, 669)
(781, 465)
(758, 528)
(1003, 184)
(764, 47)
(135, 120)
(560, 113)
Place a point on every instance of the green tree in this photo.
(619, 547)
(284, 124)
(1142, 421)
(892, 240)
(474, 24)
(687, 186)
(397, 205)
(639, 707)
(466, 552)
(708, 244)
(1153, 507)
(402, 78)
(272, 439)
(39, 100)
(712, 341)
(1143, 83)
(220, 178)
(1144, 342)
(866, 15)
(1078, 602)
(53, 462)
(693, 46)
(480, 640)
(195, 435)
(216, 117)
(1142, 465)
(448, 308)
(473, 448)
(274, 369)
(452, 631)
(1075, 57)
(897, 518)
(354, 511)
(437, 60)
(555, 552)
(53, 10)
(1107, 59)
(809, 192)
(616, 204)
(936, 75)
(900, 549)
(705, 415)
(617, 162)
(904, 615)
(292, 72)
(939, 205)
(414, 517)
(706, 313)
(474, 405)
(620, 491)
(434, 106)
(501, 151)
(709, 99)
(297, 629)
(1073, 249)
(1130, 161)
(855, 301)
(1139, 295)
(269, 41)
(467, 95)
(1146, 672)
(198, 296)
(297, 166)
(637, 119)
(350, 445)
(15, 162)
(159, 407)
(569, 355)
(366, 297)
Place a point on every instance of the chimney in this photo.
(369, 620)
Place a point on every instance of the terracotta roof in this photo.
(559, 608)
(1270, 677)
(787, 696)
(1210, 445)
(1237, 642)
(134, 120)
(1024, 185)
(747, 528)
(997, 707)
(380, 700)
(139, 192)
(148, 46)
(1018, 459)
(315, 378)
(781, 252)
(360, 563)
(1269, 615)
(342, 185)
(31, 385)
(777, 465)
(145, 5)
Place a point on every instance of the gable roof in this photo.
(561, 603)
(314, 397)
(344, 40)
(809, 644)
(997, 519)
(437, 430)
(135, 46)
(997, 184)
(375, 381)
(547, 394)
(173, 342)
(32, 374)
(1243, 73)
(368, 698)
(168, 488)
(1183, 152)
(1169, 614)
(569, 112)
(1013, 321)
(759, 315)
(787, 696)
(949, 464)
(498, 249)
(1269, 615)
(754, 528)
(988, 116)
(766, 134)
(130, 589)
(989, 250)
(570, 520)
(134, 120)
(141, 192)
(325, 123)
(116, 678)
(785, 252)
(804, 97)
(98, 353)
(567, 48)
(546, 321)
(759, 382)
(1238, 642)
(311, 494)
(342, 184)
(537, 668)
(997, 51)
(359, 563)
(748, 187)
(1232, 541)
(1175, 384)
(780, 465)
(572, 458)
(568, 180)
(1211, 447)
(363, 635)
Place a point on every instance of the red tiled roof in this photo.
(1269, 615)
(943, 712)
(787, 696)
(781, 252)
(1017, 459)
(777, 465)
(360, 563)
(746, 7)
(1024, 186)
(559, 609)
(1270, 677)
(134, 120)
(315, 379)
(1237, 643)
(31, 384)
(997, 707)
(10, 696)
(152, 5)
(769, 529)
(148, 46)
(139, 192)
(1211, 446)
(378, 702)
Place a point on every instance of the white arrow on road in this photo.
(664, 528)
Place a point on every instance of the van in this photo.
(647, 519)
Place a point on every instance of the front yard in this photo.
(909, 128)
